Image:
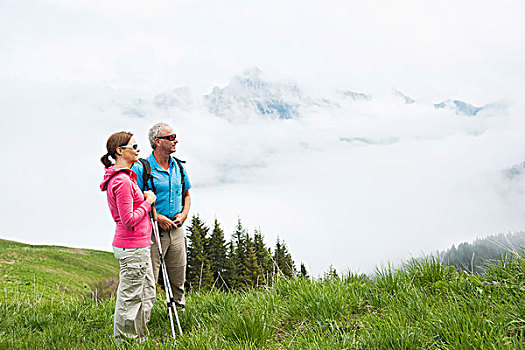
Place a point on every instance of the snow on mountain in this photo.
(249, 92)
(459, 107)
(356, 96)
(406, 99)
(250, 95)
(514, 172)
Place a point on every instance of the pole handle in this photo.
(153, 212)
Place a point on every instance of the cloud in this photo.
(350, 204)
(344, 181)
(418, 46)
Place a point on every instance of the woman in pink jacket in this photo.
(131, 244)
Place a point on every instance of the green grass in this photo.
(51, 271)
(421, 305)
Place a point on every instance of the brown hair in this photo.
(116, 140)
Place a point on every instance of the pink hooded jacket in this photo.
(128, 208)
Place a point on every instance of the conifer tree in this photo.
(241, 263)
(283, 259)
(217, 254)
(277, 256)
(254, 275)
(264, 256)
(303, 273)
(240, 274)
(229, 271)
(198, 268)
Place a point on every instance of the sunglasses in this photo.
(134, 146)
(171, 137)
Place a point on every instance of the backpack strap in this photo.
(147, 179)
(146, 176)
(181, 170)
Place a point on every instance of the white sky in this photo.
(66, 67)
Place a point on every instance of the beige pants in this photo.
(174, 248)
(136, 293)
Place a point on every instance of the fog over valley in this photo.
(358, 132)
(346, 180)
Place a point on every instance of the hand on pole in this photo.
(150, 197)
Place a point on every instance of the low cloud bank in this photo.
(346, 182)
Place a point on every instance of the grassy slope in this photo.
(421, 306)
(51, 271)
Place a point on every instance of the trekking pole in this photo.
(170, 301)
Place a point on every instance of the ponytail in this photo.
(105, 160)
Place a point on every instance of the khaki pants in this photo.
(136, 293)
(174, 248)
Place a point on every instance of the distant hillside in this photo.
(473, 257)
(52, 271)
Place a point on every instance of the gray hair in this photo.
(154, 132)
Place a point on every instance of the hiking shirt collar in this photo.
(154, 165)
(168, 187)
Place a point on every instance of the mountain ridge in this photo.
(251, 94)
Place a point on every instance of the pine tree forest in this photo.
(474, 257)
(243, 262)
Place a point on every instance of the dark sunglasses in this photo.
(171, 137)
(134, 146)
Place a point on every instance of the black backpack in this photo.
(147, 179)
